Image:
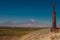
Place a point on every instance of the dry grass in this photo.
(16, 31)
(28, 34)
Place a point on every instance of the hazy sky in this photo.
(24, 10)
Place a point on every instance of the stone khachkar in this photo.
(53, 28)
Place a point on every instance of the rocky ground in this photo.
(36, 35)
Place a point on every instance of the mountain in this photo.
(30, 23)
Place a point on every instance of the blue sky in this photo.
(23, 10)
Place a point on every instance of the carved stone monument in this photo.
(53, 28)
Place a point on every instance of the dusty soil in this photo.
(36, 35)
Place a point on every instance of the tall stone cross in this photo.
(53, 28)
